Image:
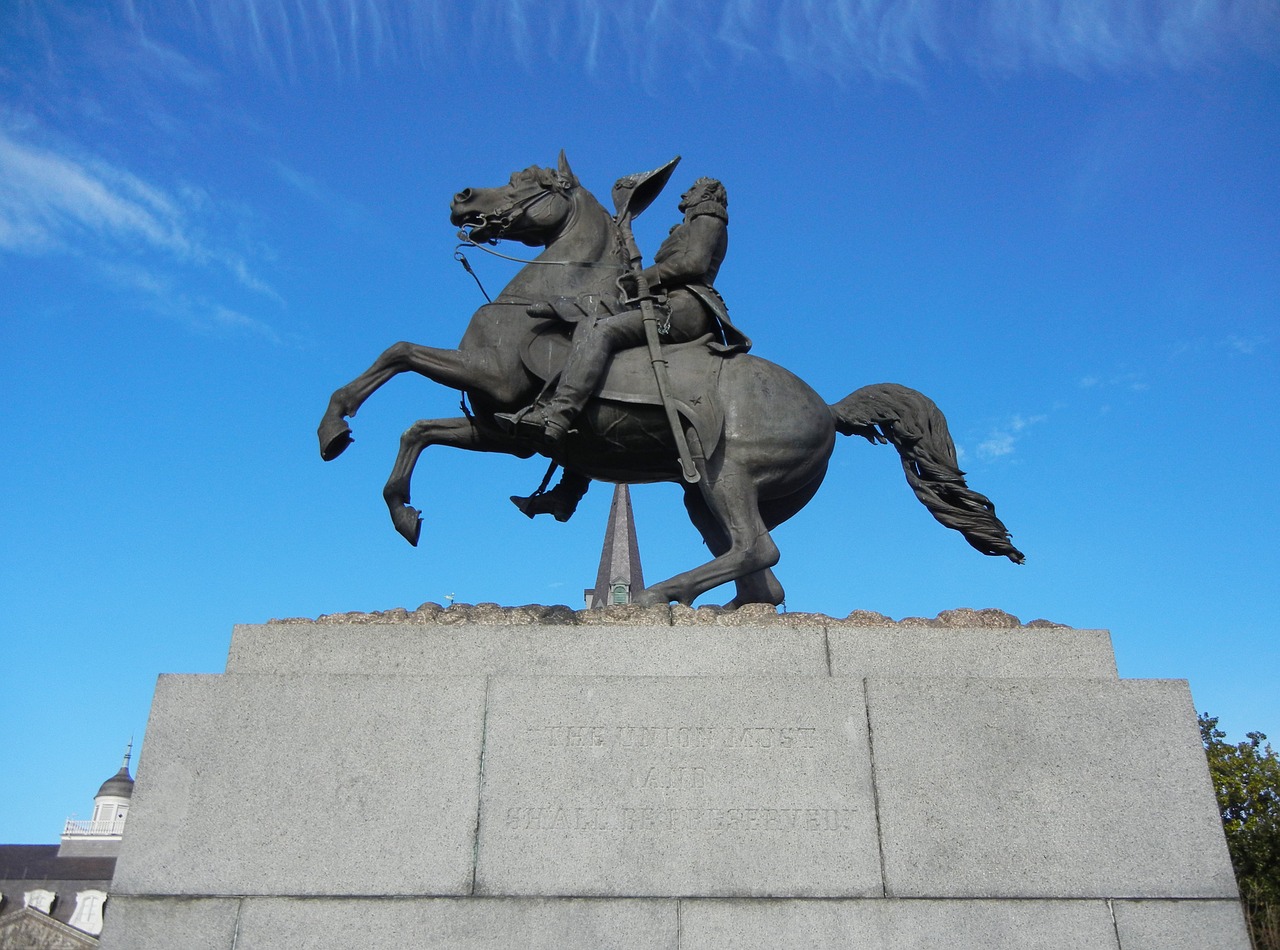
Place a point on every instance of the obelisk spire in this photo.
(620, 576)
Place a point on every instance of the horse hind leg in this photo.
(731, 500)
(760, 587)
(459, 433)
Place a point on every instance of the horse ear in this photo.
(565, 171)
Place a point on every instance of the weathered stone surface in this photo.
(306, 785)
(409, 649)
(896, 925)
(1181, 925)
(457, 924)
(671, 786)
(866, 618)
(330, 785)
(615, 615)
(969, 651)
(987, 617)
(1044, 788)
(753, 615)
(693, 650)
(140, 923)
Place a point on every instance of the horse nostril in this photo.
(463, 195)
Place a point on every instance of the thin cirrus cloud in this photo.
(882, 39)
(1244, 345)
(1134, 382)
(894, 38)
(48, 201)
(164, 294)
(1002, 440)
(133, 232)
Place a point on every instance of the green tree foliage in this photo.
(1246, 778)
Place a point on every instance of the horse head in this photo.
(533, 207)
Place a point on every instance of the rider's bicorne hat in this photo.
(633, 193)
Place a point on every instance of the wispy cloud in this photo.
(1134, 382)
(56, 201)
(48, 201)
(1003, 439)
(1244, 345)
(166, 296)
(321, 195)
(51, 201)
(883, 39)
(891, 38)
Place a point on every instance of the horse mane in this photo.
(618, 244)
(564, 182)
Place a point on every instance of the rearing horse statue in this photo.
(760, 437)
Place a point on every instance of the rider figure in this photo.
(685, 269)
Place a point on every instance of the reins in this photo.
(464, 240)
(502, 219)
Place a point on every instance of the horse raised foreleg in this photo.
(457, 369)
(460, 433)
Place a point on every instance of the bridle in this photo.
(493, 225)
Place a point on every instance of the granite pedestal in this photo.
(671, 778)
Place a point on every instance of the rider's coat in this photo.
(689, 260)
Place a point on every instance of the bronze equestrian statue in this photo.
(685, 269)
(758, 439)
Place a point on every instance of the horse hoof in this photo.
(408, 522)
(650, 598)
(335, 436)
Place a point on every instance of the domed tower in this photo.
(100, 836)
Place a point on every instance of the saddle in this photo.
(693, 372)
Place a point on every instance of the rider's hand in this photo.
(629, 284)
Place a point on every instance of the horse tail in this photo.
(887, 412)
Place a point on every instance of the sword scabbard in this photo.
(689, 471)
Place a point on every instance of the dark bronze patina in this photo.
(756, 439)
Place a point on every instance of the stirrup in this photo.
(519, 423)
(532, 423)
(554, 431)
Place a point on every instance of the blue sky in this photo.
(1057, 218)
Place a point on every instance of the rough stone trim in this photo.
(676, 615)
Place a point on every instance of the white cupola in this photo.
(100, 835)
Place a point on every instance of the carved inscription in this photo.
(646, 818)
(674, 737)
(675, 778)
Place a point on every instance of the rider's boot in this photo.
(560, 502)
(593, 344)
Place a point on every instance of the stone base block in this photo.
(963, 925)
(803, 646)
(315, 785)
(270, 923)
(678, 786)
